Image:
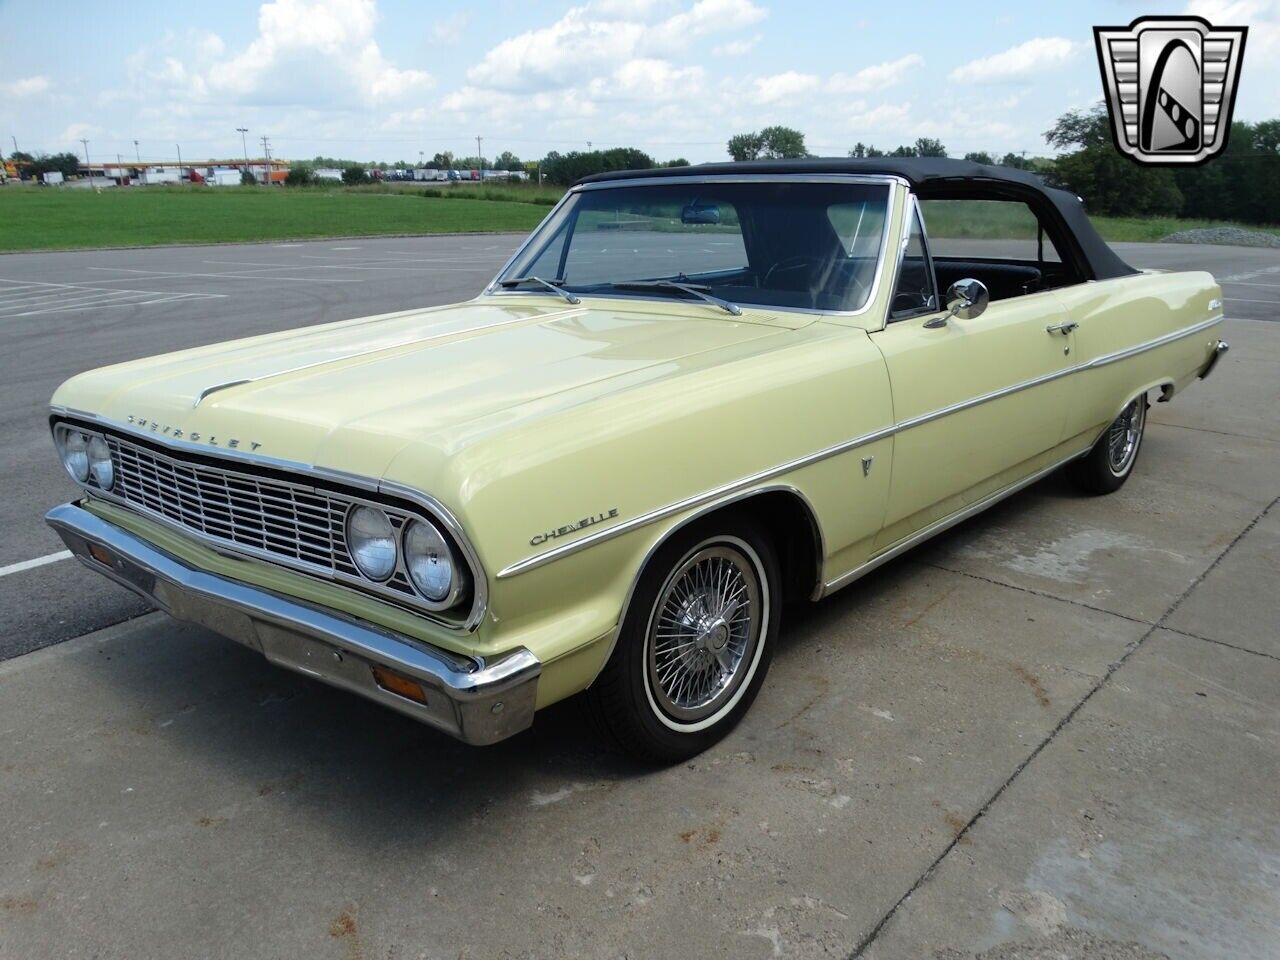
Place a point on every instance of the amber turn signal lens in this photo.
(397, 684)
(101, 555)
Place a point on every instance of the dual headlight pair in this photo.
(86, 455)
(428, 558)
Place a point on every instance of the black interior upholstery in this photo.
(1003, 280)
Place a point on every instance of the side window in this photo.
(998, 241)
(987, 230)
(915, 292)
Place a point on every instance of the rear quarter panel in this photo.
(1128, 314)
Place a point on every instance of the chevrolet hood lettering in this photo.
(191, 436)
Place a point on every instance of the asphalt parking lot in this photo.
(1052, 732)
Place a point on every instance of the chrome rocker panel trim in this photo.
(476, 701)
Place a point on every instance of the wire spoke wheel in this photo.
(703, 632)
(1124, 434)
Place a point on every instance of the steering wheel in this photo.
(787, 264)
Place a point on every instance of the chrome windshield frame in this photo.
(896, 185)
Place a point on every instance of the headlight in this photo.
(372, 542)
(104, 474)
(75, 454)
(431, 564)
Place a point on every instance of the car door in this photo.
(978, 403)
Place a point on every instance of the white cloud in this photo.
(26, 87)
(736, 48)
(317, 53)
(783, 86)
(1262, 17)
(1033, 56)
(882, 119)
(589, 40)
(648, 79)
(875, 77)
(451, 29)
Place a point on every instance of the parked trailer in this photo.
(153, 175)
(223, 178)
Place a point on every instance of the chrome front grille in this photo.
(299, 525)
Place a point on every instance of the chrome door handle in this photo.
(1065, 327)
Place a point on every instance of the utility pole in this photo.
(266, 160)
(480, 157)
(15, 143)
(86, 158)
(242, 131)
(179, 146)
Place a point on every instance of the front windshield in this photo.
(793, 244)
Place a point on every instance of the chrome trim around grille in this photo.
(293, 524)
(475, 699)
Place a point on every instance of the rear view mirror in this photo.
(700, 213)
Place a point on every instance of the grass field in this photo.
(33, 218)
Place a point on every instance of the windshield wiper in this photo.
(692, 289)
(552, 285)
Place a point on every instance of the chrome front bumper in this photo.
(476, 701)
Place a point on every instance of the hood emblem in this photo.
(192, 436)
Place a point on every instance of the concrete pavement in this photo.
(1053, 732)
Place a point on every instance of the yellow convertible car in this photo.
(691, 395)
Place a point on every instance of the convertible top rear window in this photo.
(808, 245)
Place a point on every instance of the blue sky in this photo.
(385, 79)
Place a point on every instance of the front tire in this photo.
(696, 643)
(1106, 467)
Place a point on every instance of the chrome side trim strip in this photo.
(725, 490)
(1152, 344)
(370, 485)
(474, 699)
(644, 519)
(946, 523)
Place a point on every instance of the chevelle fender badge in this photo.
(168, 430)
(577, 525)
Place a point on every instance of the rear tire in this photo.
(1106, 467)
(696, 643)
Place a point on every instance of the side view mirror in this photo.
(966, 299)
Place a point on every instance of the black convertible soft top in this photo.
(938, 177)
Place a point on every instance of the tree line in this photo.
(1242, 184)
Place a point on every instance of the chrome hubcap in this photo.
(1124, 434)
(704, 633)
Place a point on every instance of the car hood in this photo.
(351, 395)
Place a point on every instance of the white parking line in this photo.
(37, 562)
(1248, 283)
(1274, 303)
(238, 275)
(34, 298)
